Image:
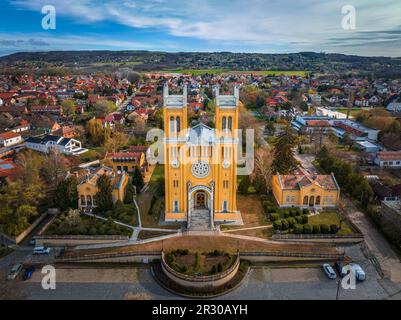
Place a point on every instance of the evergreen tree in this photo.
(104, 197)
(137, 179)
(244, 185)
(283, 151)
(129, 193)
(66, 196)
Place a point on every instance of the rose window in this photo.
(200, 169)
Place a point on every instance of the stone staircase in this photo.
(200, 220)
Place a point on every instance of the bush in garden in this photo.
(292, 222)
(285, 224)
(286, 215)
(307, 229)
(271, 210)
(298, 229)
(334, 229)
(293, 213)
(316, 229)
(305, 211)
(298, 219)
(277, 225)
(324, 228)
(298, 212)
(274, 217)
(304, 219)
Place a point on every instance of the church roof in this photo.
(201, 134)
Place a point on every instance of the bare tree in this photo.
(263, 169)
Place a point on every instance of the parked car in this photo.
(32, 242)
(28, 273)
(340, 268)
(41, 250)
(359, 273)
(15, 270)
(329, 271)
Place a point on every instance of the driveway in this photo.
(376, 242)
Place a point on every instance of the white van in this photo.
(41, 250)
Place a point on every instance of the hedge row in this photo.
(298, 228)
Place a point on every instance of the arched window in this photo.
(89, 200)
(172, 126)
(178, 122)
(306, 200)
(225, 206)
(224, 123)
(311, 201)
(230, 123)
(317, 201)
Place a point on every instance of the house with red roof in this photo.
(9, 139)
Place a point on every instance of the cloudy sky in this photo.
(266, 26)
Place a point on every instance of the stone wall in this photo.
(196, 282)
(390, 219)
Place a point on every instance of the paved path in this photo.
(376, 243)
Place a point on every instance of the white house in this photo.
(8, 139)
(65, 145)
(390, 159)
(394, 107)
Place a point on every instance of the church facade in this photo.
(200, 163)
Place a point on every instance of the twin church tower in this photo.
(201, 163)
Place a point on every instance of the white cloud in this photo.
(301, 25)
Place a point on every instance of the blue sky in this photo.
(267, 26)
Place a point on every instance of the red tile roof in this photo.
(9, 135)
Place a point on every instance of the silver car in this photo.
(329, 271)
(15, 270)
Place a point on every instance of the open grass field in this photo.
(330, 217)
(198, 72)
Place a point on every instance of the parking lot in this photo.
(128, 282)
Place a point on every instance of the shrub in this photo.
(316, 229)
(270, 210)
(286, 215)
(292, 222)
(277, 225)
(274, 217)
(214, 270)
(305, 219)
(298, 219)
(285, 224)
(324, 228)
(334, 229)
(298, 212)
(305, 211)
(307, 229)
(298, 229)
(266, 206)
(293, 213)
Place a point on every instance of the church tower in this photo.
(200, 163)
(175, 125)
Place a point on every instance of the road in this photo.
(129, 282)
(377, 245)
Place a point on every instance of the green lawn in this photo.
(158, 173)
(5, 251)
(329, 218)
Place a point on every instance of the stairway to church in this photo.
(200, 220)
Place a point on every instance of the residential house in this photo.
(66, 132)
(48, 142)
(389, 159)
(87, 185)
(394, 107)
(8, 169)
(9, 139)
(126, 161)
(47, 109)
(305, 190)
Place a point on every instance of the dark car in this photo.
(28, 273)
(340, 268)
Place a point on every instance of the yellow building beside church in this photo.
(200, 163)
(305, 190)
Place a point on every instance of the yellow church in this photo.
(200, 163)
